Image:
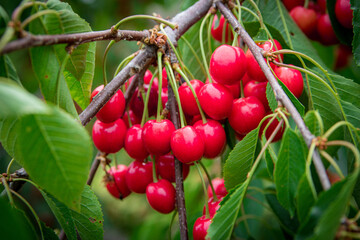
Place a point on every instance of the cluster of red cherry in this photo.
(315, 22)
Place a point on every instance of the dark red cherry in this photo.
(117, 185)
(213, 206)
(137, 103)
(322, 5)
(161, 196)
(271, 129)
(201, 227)
(291, 78)
(305, 18)
(156, 136)
(134, 145)
(343, 56)
(326, 31)
(138, 176)
(344, 13)
(217, 29)
(134, 120)
(113, 109)
(219, 187)
(213, 135)
(290, 4)
(216, 100)
(257, 89)
(227, 64)
(165, 167)
(187, 144)
(246, 114)
(187, 99)
(109, 137)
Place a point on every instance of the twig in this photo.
(279, 92)
(77, 38)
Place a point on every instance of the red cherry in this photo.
(164, 97)
(322, 5)
(254, 71)
(134, 120)
(292, 79)
(117, 186)
(164, 77)
(187, 144)
(290, 4)
(165, 167)
(219, 187)
(213, 206)
(344, 13)
(233, 88)
(305, 18)
(147, 77)
(216, 100)
(137, 103)
(333, 177)
(326, 31)
(138, 176)
(161, 196)
(343, 56)
(113, 109)
(213, 135)
(217, 29)
(271, 129)
(246, 114)
(164, 83)
(187, 99)
(109, 137)
(257, 89)
(227, 64)
(134, 145)
(201, 227)
(245, 79)
(156, 136)
(268, 46)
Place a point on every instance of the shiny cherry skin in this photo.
(137, 103)
(227, 64)
(165, 167)
(233, 88)
(216, 100)
(109, 137)
(187, 144)
(219, 187)
(201, 227)
(117, 185)
(290, 4)
(164, 83)
(134, 144)
(213, 206)
(164, 97)
(305, 18)
(326, 31)
(161, 196)
(213, 135)
(156, 136)
(147, 77)
(246, 114)
(113, 109)
(245, 80)
(257, 89)
(292, 79)
(139, 175)
(217, 29)
(133, 119)
(187, 99)
(344, 13)
(271, 129)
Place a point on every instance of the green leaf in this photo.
(344, 35)
(4, 19)
(271, 98)
(312, 122)
(15, 101)
(289, 168)
(271, 159)
(48, 233)
(7, 69)
(305, 198)
(347, 89)
(355, 5)
(240, 160)
(224, 220)
(89, 221)
(14, 224)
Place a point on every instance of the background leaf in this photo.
(7, 69)
(305, 198)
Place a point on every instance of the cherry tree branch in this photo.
(279, 92)
(30, 40)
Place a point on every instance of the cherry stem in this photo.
(9, 166)
(112, 42)
(209, 178)
(124, 62)
(283, 20)
(203, 117)
(7, 188)
(172, 81)
(146, 103)
(202, 46)
(161, 20)
(195, 55)
(349, 146)
(333, 163)
(209, 34)
(207, 213)
(115, 160)
(306, 4)
(172, 222)
(336, 126)
(19, 10)
(37, 15)
(241, 89)
(154, 169)
(159, 104)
